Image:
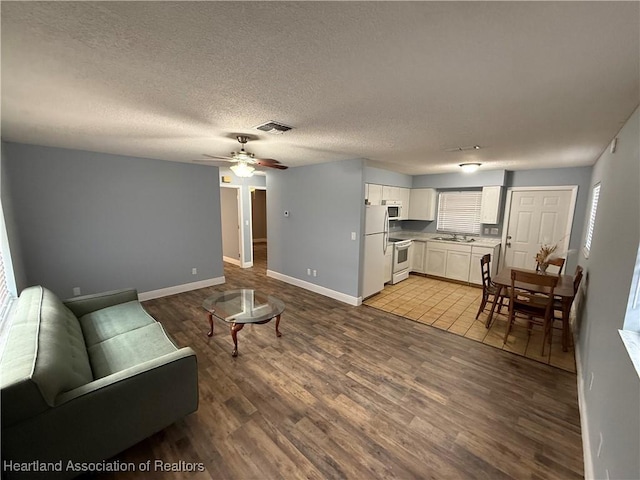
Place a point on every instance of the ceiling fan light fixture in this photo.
(242, 169)
(469, 167)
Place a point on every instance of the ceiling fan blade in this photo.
(266, 161)
(216, 157)
(275, 165)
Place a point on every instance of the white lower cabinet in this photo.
(475, 274)
(436, 260)
(417, 256)
(458, 261)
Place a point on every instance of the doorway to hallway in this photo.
(259, 227)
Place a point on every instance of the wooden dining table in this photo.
(563, 290)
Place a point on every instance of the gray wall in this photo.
(612, 405)
(386, 177)
(100, 222)
(326, 204)
(481, 178)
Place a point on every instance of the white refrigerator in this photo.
(376, 234)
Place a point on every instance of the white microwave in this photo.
(394, 209)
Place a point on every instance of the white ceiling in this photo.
(537, 85)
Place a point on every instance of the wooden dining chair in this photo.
(557, 302)
(488, 287)
(556, 261)
(531, 295)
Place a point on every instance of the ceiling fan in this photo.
(245, 161)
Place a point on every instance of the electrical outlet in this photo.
(194, 271)
(353, 235)
(315, 273)
(76, 291)
(486, 231)
(494, 231)
(308, 272)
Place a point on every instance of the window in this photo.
(7, 281)
(459, 212)
(595, 195)
(631, 333)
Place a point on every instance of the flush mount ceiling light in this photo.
(242, 169)
(469, 167)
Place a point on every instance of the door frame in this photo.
(507, 212)
(238, 189)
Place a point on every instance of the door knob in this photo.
(508, 244)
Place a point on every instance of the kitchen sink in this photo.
(457, 240)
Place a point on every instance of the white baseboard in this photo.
(247, 265)
(235, 261)
(327, 292)
(582, 406)
(186, 287)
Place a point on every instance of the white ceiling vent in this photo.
(273, 127)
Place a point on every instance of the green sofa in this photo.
(84, 379)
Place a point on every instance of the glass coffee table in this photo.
(242, 306)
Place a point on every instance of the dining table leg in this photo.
(493, 306)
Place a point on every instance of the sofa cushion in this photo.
(109, 322)
(45, 346)
(129, 349)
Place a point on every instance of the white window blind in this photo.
(592, 219)
(459, 212)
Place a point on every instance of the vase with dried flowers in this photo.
(543, 256)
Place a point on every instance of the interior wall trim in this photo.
(582, 406)
(327, 292)
(185, 287)
(234, 261)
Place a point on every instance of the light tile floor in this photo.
(453, 307)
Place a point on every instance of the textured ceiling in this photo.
(537, 85)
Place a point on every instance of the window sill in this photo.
(631, 342)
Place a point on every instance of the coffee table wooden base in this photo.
(236, 327)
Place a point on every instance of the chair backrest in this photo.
(555, 261)
(537, 288)
(485, 269)
(577, 277)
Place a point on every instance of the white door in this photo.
(230, 225)
(537, 217)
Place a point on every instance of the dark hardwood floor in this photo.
(354, 392)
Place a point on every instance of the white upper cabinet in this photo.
(405, 198)
(422, 204)
(374, 193)
(490, 207)
(390, 193)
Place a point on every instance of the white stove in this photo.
(400, 264)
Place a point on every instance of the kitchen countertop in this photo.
(423, 237)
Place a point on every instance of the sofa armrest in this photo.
(104, 417)
(90, 303)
